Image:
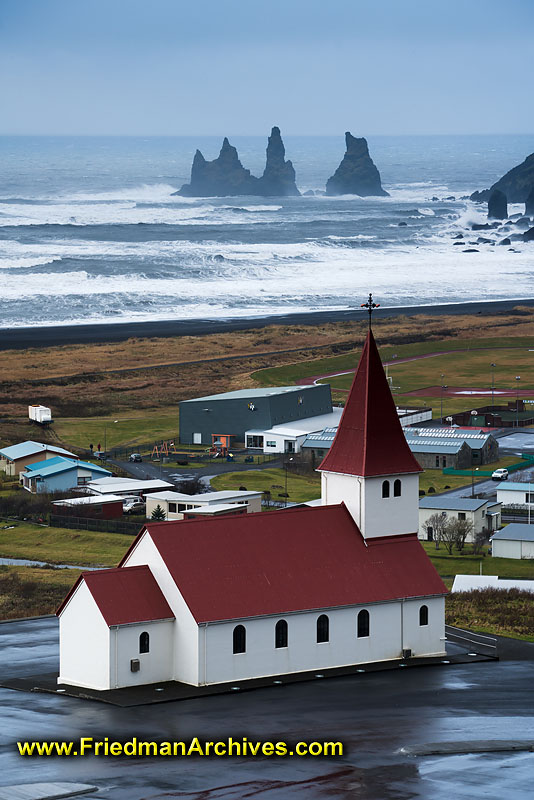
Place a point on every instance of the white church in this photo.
(215, 600)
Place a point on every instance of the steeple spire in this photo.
(370, 440)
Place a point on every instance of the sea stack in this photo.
(278, 179)
(223, 176)
(357, 173)
(529, 203)
(226, 176)
(516, 184)
(497, 205)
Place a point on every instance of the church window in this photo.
(280, 633)
(423, 615)
(397, 488)
(240, 639)
(323, 629)
(363, 623)
(144, 642)
(385, 489)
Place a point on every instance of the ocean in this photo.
(90, 232)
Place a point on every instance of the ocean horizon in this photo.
(90, 231)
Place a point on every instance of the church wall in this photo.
(186, 634)
(156, 665)
(84, 648)
(425, 639)
(303, 653)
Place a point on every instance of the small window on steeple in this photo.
(397, 488)
(385, 489)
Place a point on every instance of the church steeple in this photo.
(370, 440)
(370, 466)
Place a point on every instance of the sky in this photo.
(176, 67)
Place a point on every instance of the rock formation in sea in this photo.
(357, 173)
(529, 203)
(516, 184)
(497, 205)
(226, 176)
(278, 179)
(528, 236)
(223, 176)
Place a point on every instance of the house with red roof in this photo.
(208, 601)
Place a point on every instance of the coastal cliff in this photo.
(226, 176)
(357, 173)
(516, 184)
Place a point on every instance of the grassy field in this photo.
(450, 565)
(131, 429)
(62, 545)
(299, 488)
(495, 611)
(31, 592)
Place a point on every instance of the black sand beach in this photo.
(21, 338)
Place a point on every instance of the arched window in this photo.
(280, 633)
(240, 639)
(323, 628)
(363, 623)
(423, 615)
(397, 488)
(144, 642)
(385, 489)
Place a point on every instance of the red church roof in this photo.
(289, 560)
(370, 440)
(128, 594)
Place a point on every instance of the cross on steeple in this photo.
(370, 306)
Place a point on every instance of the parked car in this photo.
(133, 506)
(500, 475)
(135, 457)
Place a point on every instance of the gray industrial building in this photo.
(203, 420)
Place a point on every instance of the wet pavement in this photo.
(375, 715)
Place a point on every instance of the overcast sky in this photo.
(171, 67)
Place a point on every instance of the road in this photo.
(147, 470)
(374, 715)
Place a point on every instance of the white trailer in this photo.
(40, 414)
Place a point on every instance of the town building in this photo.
(108, 506)
(517, 413)
(177, 505)
(59, 475)
(126, 486)
(516, 494)
(435, 448)
(514, 541)
(15, 458)
(209, 601)
(204, 420)
(290, 436)
(485, 515)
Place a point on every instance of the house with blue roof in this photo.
(514, 541)
(484, 514)
(17, 457)
(60, 474)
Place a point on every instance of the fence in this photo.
(528, 461)
(92, 524)
(479, 643)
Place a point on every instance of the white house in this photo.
(177, 505)
(213, 600)
(290, 436)
(516, 494)
(483, 514)
(514, 541)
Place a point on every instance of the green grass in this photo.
(450, 565)
(504, 373)
(33, 591)
(63, 545)
(300, 488)
(136, 428)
